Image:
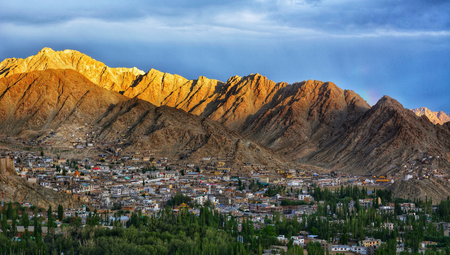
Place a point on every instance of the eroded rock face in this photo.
(439, 117)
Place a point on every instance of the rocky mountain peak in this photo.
(439, 117)
(387, 103)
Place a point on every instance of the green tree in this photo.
(241, 185)
(49, 221)
(4, 223)
(37, 224)
(397, 208)
(14, 222)
(314, 248)
(25, 220)
(9, 210)
(60, 212)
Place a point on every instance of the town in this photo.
(116, 187)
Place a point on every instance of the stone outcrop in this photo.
(439, 117)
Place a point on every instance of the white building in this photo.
(298, 240)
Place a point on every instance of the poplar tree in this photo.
(60, 212)
(49, 220)
(25, 220)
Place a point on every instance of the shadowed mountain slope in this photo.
(383, 139)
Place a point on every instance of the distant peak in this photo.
(439, 117)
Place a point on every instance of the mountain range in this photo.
(251, 118)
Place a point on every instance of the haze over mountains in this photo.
(250, 118)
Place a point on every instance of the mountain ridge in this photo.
(309, 122)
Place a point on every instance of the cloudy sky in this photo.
(399, 48)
